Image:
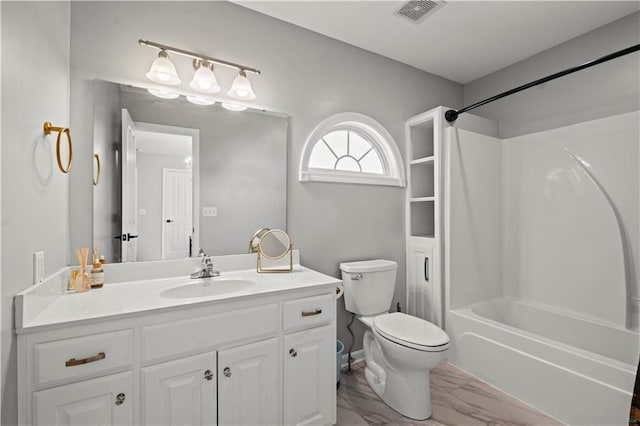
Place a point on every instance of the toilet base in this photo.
(407, 392)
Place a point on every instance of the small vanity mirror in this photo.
(274, 250)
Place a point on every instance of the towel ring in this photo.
(48, 128)
(96, 179)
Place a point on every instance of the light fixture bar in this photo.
(197, 56)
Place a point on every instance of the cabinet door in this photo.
(310, 377)
(249, 386)
(103, 401)
(181, 392)
(422, 283)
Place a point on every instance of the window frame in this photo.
(374, 133)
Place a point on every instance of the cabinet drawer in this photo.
(180, 337)
(62, 360)
(308, 312)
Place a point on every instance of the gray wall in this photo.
(242, 162)
(603, 90)
(35, 89)
(106, 195)
(306, 75)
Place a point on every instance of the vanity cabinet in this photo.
(199, 364)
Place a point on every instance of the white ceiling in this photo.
(462, 40)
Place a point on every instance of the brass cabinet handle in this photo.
(73, 362)
(311, 313)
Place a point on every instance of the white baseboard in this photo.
(358, 356)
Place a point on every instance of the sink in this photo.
(206, 287)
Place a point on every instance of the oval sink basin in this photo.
(207, 287)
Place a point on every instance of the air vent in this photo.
(417, 10)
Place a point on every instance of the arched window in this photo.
(351, 148)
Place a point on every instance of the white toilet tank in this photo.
(369, 286)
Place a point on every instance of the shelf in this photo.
(421, 199)
(422, 160)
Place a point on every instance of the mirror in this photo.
(177, 177)
(274, 245)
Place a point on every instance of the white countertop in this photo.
(37, 309)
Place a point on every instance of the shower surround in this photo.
(542, 258)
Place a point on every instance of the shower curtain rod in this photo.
(451, 115)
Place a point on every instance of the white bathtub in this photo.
(578, 371)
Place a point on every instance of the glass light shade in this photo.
(201, 100)
(241, 88)
(164, 94)
(204, 80)
(233, 107)
(163, 71)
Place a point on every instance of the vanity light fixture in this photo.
(204, 80)
(201, 100)
(241, 87)
(164, 94)
(163, 71)
(233, 107)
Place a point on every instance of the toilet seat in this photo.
(411, 332)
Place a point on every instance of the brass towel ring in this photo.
(96, 179)
(48, 128)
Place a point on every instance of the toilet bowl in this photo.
(399, 349)
(399, 356)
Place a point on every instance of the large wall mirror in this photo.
(176, 177)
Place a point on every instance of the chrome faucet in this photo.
(208, 270)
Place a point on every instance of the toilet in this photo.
(399, 349)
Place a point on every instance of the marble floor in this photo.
(457, 399)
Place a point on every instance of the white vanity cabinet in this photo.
(221, 362)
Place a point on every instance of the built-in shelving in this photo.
(423, 211)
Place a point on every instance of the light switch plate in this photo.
(209, 211)
(38, 267)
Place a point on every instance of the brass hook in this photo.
(48, 128)
(96, 180)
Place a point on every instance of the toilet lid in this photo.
(411, 331)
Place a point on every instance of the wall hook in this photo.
(48, 128)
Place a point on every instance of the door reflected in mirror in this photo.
(177, 177)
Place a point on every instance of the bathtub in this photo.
(579, 371)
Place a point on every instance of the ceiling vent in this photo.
(416, 10)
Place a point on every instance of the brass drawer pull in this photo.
(311, 313)
(73, 362)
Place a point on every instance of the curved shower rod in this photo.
(451, 115)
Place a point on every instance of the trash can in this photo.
(339, 349)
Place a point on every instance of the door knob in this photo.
(208, 375)
(227, 372)
(170, 220)
(293, 353)
(120, 398)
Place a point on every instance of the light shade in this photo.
(164, 94)
(241, 88)
(233, 107)
(201, 100)
(204, 80)
(163, 71)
